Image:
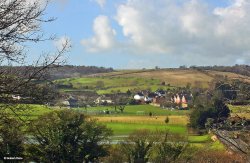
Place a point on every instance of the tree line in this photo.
(238, 69)
(62, 71)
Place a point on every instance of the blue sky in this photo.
(146, 33)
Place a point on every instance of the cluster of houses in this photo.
(164, 99)
(159, 98)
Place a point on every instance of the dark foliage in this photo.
(11, 138)
(216, 110)
(238, 69)
(67, 136)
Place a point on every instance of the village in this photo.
(159, 98)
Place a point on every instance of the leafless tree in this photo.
(20, 25)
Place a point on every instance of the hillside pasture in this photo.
(230, 75)
(107, 85)
(27, 111)
(178, 77)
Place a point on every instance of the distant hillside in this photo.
(59, 72)
(238, 69)
(69, 71)
(178, 77)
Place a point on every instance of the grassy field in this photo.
(133, 110)
(29, 112)
(173, 119)
(127, 128)
(177, 77)
(105, 85)
(137, 117)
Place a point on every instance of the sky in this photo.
(129, 34)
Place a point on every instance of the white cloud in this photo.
(101, 3)
(42, 3)
(104, 38)
(62, 42)
(191, 30)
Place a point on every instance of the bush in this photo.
(166, 120)
(140, 147)
(199, 115)
(11, 138)
(67, 136)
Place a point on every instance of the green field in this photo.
(134, 110)
(29, 112)
(106, 85)
(199, 139)
(127, 128)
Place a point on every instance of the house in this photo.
(177, 99)
(152, 95)
(139, 97)
(157, 101)
(160, 92)
(148, 99)
(181, 100)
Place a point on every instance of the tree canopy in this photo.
(67, 136)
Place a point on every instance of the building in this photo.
(139, 97)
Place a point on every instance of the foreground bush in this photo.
(147, 146)
(11, 138)
(67, 136)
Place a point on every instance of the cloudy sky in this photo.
(149, 33)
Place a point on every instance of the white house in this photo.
(139, 96)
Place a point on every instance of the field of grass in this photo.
(173, 120)
(28, 111)
(137, 117)
(199, 139)
(106, 85)
(204, 142)
(177, 77)
(127, 128)
(134, 110)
